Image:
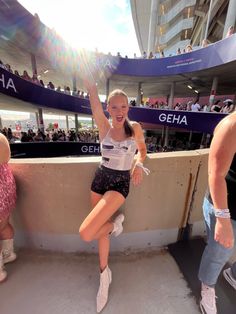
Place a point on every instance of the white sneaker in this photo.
(102, 296)
(227, 273)
(8, 251)
(208, 301)
(3, 273)
(118, 227)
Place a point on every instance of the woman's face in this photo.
(118, 109)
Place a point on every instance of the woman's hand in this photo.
(224, 232)
(137, 175)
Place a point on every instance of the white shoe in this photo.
(8, 251)
(118, 227)
(227, 273)
(102, 296)
(208, 301)
(3, 273)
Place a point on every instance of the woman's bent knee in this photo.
(85, 235)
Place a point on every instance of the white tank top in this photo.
(118, 155)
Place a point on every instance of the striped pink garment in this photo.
(7, 191)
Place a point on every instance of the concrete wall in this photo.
(54, 198)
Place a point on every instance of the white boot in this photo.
(8, 251)
(3, 273)
(102, 296)
(118, 227)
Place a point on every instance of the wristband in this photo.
(222, 213)
(140, 164)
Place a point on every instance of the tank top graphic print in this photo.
(117, 155)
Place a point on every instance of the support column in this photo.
(92, 123)
(76, 126)
(139, 96)
(152, 26)
(203, 32)
(107, 88)
(40, 119)
(37, 119)
(171, 97)
(74, 87)
(230, 17)
(208, 19)
(213, 91)
(1, 123)
(67, 123)
(33, 64)
(166, 137)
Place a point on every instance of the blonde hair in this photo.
(116, 92)
(129, 131)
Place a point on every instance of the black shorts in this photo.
(107, 179)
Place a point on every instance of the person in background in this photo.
(178, 51)
(7, 204)
(26, 76)
(110, 187)
(189, 48)
(219, 209)
(230, 31)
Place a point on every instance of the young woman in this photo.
(110, 187)
(7, 203)
(219, 213)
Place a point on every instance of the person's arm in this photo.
(97, 109)
(137, 171)
(222, 150)
(5, 152)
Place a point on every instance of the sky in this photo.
(103, 24)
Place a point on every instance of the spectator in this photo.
(135, 56)
(217, 106)
(118, 54)
(2, 65)
(195, 107)
(8, 68)
(178, 51)
(230, 31)
(42, 83)
(26, 76)
(67, 90)
(228, 106)
(58, 89)
(204, 43)
(35, 79)
(16, 73)
(144, 55)
(51, 86)
(189, 48)
(162, 55)
(150, 55)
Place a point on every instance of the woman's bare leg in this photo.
(99, 217)
(110, 202)
(6, 230)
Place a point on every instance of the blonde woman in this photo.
(119, 141)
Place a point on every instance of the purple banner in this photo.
(214, 55)
(19, 88)
(195, 121)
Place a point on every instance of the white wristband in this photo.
(222, 213)
(140, 164)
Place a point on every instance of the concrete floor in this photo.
(52, 283)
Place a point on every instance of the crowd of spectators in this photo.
(223, 106)
(35, 79)
(84, 136)
(154, 143)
